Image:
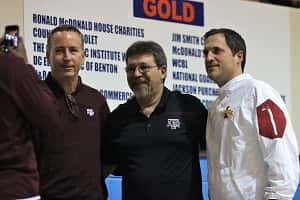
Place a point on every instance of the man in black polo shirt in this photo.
(154, 137)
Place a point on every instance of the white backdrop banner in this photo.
(110, 27)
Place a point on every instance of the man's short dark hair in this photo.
(67, 28)
(145, 47)
(234, 40)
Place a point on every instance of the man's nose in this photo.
(209, 56)
(67, 54)
(137, 71)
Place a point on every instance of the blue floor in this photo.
(114, 184)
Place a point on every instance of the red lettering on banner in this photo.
(188, 12)
(164, 14)
(149, 9)
(167, 9)
(174, 11)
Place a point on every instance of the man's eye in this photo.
(144, 67)
(130, 68)
(216, 50)
(74, 50)
(58, 50)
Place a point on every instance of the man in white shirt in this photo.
(251, 145)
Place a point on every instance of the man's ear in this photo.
(240, 56)
(83, 56)
(163, 70)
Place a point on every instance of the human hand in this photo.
(20, 51)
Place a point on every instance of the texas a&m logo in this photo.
(173, 124)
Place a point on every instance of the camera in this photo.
(11, 36)
(11, 40)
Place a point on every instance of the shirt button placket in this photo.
(148, 127)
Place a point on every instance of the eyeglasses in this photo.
(142, 68)
(72, 105)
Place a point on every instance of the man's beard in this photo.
(143, 91)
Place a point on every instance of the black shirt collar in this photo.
(161, 105)
(164, 99)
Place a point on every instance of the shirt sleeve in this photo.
(30, 94)
(109, 153)
(104, 113)
(202, 125)
(278, 144)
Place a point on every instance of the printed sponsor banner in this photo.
(110, 27)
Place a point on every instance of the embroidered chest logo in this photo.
(173, 124)
(90, 112)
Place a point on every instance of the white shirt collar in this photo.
(232, 84)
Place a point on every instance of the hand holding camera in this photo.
(12, 42)
(11, 36)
